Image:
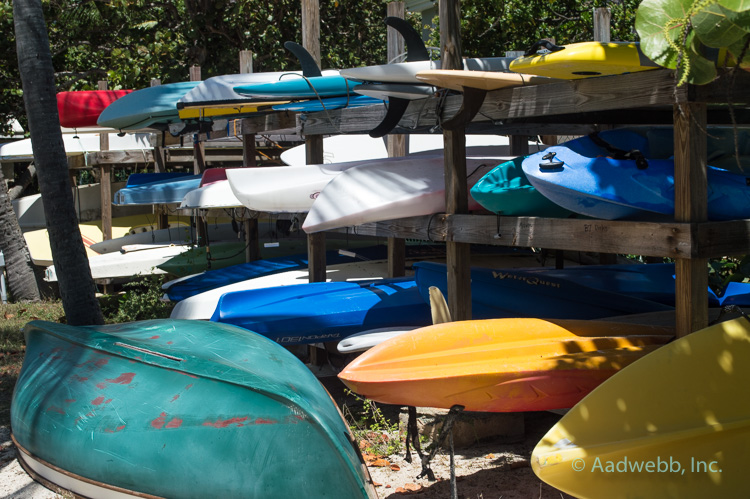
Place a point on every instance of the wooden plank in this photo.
(246, 61)
(283, 122)
(119, 157)
(199, 154)
(160, 159)
(691, 205)
(105, 183)
(674, 240)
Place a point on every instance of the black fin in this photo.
(309, 66)
(396, 109)
(415, 48)
(473, 100)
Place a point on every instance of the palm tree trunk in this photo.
(77, 287)
(21, 278)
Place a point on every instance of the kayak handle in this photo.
(550, 165)
(543, 44)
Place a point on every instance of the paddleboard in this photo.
(386, 191)
(674, 424)
(499, 365)
(81, 108)
(406, 72)
(585, 60)
(228, 111)
(298, 87)
(458, 79)
(147, 107)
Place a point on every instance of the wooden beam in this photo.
(246, 61)
(691, 205)
(105, 181)
(311, 28)
(602, 17)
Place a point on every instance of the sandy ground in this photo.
(488, 469)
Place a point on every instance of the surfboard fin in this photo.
(396, 109)
(310, 68)
(472, 102)
(415, 47)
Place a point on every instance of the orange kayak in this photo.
(500, 365)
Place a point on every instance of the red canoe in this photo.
(82, 108)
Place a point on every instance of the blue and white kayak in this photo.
(324, 311)
(612, 175)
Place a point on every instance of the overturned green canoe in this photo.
(179, 409)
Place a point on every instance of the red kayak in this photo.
(82, 108)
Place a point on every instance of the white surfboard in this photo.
(364, 340)
(406, 72)
(385, 191)
(202, 305)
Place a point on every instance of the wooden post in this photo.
(160, 166)
(252, 238)
(456, 188)
(396, 143)
(690, 205)
(602, 17)
(316, 242)
(519, 145)
(105, 181)
(246, 61)
(311, 28)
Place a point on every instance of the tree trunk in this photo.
(21, 279)
(77, 287)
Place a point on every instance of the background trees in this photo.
(129, 42)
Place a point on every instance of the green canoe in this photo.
(179, 409)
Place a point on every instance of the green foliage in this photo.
(140, 301)
(373, 431)
(694, 36)
(722, 271)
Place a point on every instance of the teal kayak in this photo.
(506, 190)
(298, 87)
(179, 409)
(152, 107)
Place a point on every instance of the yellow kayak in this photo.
(675, 424)
(585, 60)
(500, 365)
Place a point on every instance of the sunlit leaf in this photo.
(720, 27)
(736, 5)
(651, 19)
(702, 70)
(736, 50)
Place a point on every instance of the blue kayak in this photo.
(611, 175)
(212, 279)
(517, 293)
(297, 87)
(314, 105)
(165, 191)
(324, 311)
(147, 107)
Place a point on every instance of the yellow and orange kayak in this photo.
(500, 365)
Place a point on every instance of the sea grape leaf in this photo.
(720, 27)
(650, 20)
(736, 49)
(736, 5)
(701, 70)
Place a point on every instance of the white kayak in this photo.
(202, 305)
(406, 72)
(214, 191)
(79, 143)
(364, 340)
(387, 191)
(288, 189)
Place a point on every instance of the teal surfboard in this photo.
(297, 87)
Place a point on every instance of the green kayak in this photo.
(179, 409)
